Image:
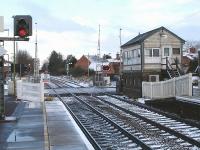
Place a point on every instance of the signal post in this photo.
(22, 30)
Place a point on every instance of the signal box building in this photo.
(151, 56)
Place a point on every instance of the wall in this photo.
(30, 91)
(132, 84)
(132, 63)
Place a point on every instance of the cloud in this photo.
(49, 22)
(68, 42)
(71, 27)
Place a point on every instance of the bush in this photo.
(77, 72)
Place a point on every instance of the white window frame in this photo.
(176, 48)
(152, 52)
(164, 51)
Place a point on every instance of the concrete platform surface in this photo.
(40, 126)
(63, 132)
(27, 132)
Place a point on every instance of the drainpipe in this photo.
(142, 61)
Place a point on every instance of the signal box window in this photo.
(154, 52)
(176, 51)
(166, 51)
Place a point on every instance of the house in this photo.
(114, 66)
(189, 56)
(92, 61)
(83, 62)
(152, 56)
(190, 60)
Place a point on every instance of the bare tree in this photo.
(23, 57)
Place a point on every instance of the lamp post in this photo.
(36, 61)
(67, 67)
(14, 61)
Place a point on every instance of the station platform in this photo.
(41, 126)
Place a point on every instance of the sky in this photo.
(71, 26)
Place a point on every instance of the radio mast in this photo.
(98, 50)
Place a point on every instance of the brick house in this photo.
(83, 62)
(91, 61)
(189, 56)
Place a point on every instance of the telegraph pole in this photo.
(14, 69)
(99, 54)
(120, 44)
(98, 57)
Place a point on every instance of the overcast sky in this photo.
(71, 26)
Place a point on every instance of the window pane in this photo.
(132, 55)
(156, 52)
(148, 52)
(166, 51)
(135, 53)
(176, 50)
(138, 52)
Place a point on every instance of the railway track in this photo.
(149, 131)
(106, 133)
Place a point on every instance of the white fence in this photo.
(30, 91)
(180, 86)
(27, 91)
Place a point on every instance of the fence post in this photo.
(174, 87)
(190, 84)
(42, 90)
(142, 89)
(161, 87)
(151, 87)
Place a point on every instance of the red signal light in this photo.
(106, 67)
(22, 32)
(22, 26)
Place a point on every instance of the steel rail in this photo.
(84, 130)
(171, 131)
(191, 123)
(130, 136)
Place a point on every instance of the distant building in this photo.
(92, 61)
(114, 65)
(189, 56)
(83, 62)
(151, 56)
